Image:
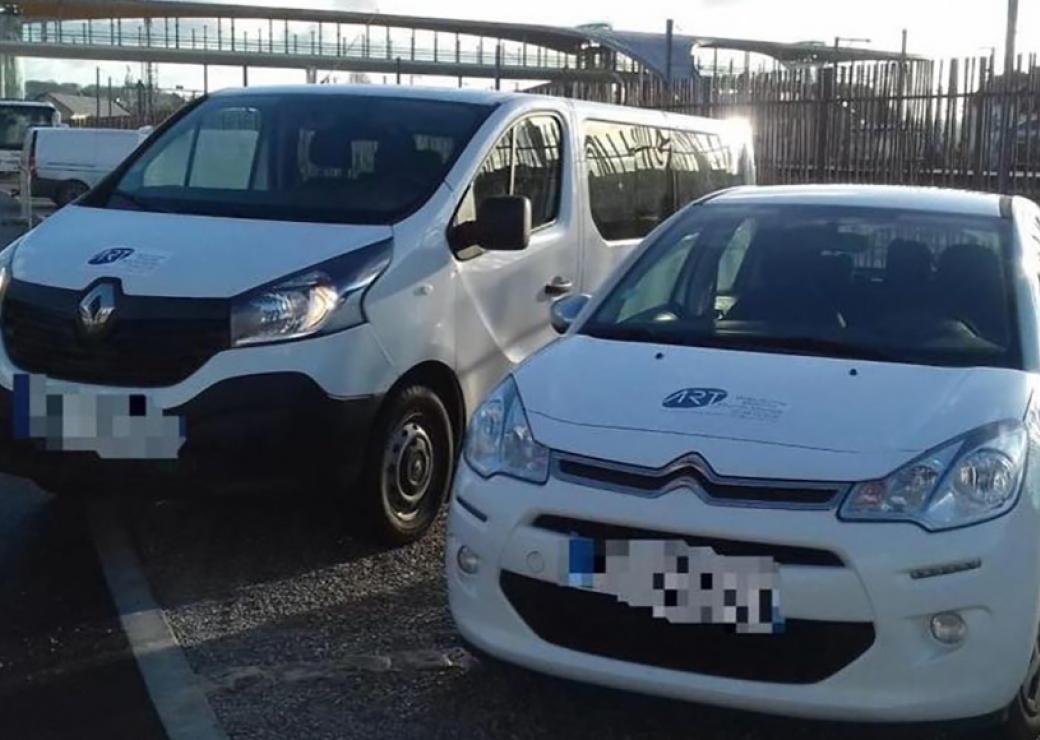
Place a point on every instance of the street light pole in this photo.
(1007, 131)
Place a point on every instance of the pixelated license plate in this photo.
(118, 426)
(680, 583)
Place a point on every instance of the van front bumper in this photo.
(249, 433)
(858, 645)
(254, 418)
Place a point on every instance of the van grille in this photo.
(153, 341)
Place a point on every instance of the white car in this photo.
(318, 284)
(785, 461)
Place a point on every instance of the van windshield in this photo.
(318, 157)
(876, 284)
(16, 120)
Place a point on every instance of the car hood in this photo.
(177, 254)
(756, 414)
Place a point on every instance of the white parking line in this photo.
(175, 689)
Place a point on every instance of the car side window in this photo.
(527, 160)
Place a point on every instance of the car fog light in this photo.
(949, 628)
(469, 561)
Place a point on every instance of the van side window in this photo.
(538, 165)
(640, 175)
(628, 182)
(527, 160)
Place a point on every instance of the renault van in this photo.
(318, 284)
(786, 460)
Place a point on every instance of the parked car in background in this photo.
(785, 461)
(318, 284)
(16, 118)
(64, 163)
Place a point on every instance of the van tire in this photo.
(69, 191)
(1022, 717)
(409, 467)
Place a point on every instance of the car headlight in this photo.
(499, 439)
(320, 300)
(968, 480)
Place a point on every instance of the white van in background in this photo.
(64, 163)
(312, 284)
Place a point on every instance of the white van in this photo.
(64, 163)
(316, 283)
(785, 460)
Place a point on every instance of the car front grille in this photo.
(694, 473)
(807, 651)
(153, 341)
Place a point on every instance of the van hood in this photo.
(176, 254)
(756, 414)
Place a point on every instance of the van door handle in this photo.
(558, 286)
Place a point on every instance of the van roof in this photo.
(26, 104)
(940, 200)
(461, 95)
(468, 95)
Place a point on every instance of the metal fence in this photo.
(954, 123)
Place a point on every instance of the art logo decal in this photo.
(109, 256)
(716, 402)
(694, 398)
(129, 261)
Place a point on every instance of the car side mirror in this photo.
(563, 312)
(504, 223)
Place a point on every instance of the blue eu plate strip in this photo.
(581, 562)
(21, 406)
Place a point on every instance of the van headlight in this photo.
(499, 438)
(6, 255)
(320, 300)
(971, 479)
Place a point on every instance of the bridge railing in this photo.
(347, 43)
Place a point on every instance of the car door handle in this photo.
(558, 286)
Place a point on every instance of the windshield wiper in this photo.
(800, 345)
(641, 333)
(672, 334)
(138, 201)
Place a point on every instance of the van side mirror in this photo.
(563, 312)
(504, 223)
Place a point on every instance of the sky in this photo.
(935, 27)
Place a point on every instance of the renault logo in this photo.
(97, 309)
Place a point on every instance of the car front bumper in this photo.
(903, 675)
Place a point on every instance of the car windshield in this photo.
(881, 284)
(301, 157)
(16, 120)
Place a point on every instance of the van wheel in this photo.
(409, 468)
(1023, 714)
(69, 192)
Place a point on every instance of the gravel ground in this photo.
(301, 631)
